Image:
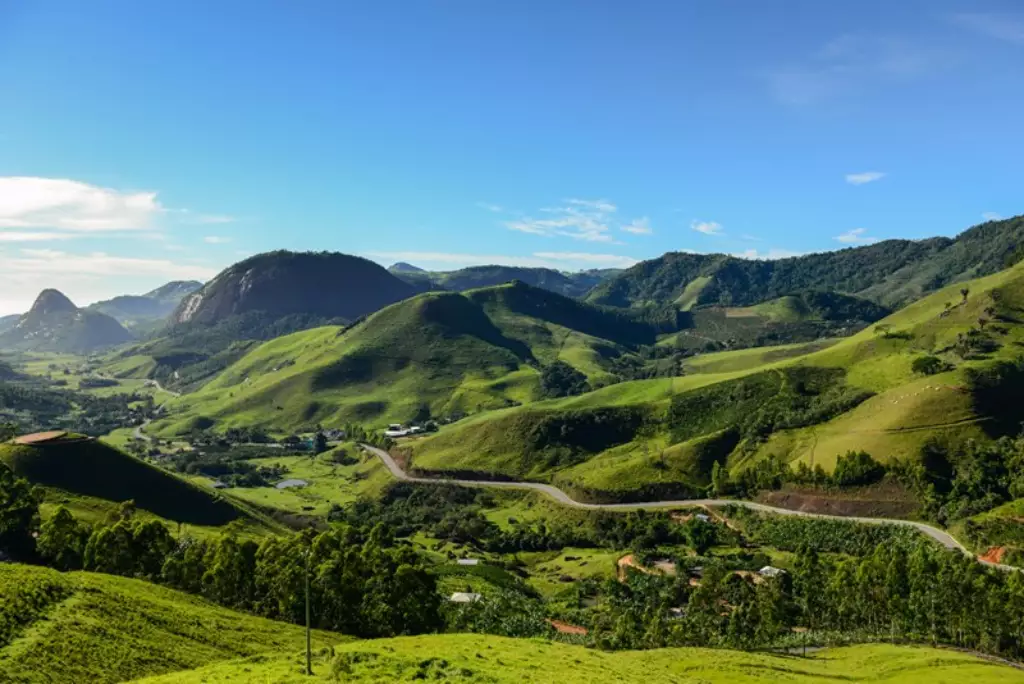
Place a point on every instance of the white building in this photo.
(464, 597)
(468, 561)
(769, 571)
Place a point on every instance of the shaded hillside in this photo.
(435, 354)
(90, 468)
(55, 324)
(891, 273)
(323, 284)
(142, 311)
(568, 284)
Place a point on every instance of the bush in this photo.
(928, 365)
(857, 468)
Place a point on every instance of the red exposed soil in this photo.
(884, 501)
(566, 628)
(994, 555)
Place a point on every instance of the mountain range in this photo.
(55, 324)
(150, 310)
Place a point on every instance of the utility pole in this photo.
(309, 654)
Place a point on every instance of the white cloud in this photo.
(773, 253)
(865, 177)
(856, 236)
(556, 260)
(27, 202)
(32, 236)
(706, 227)
(216, 240)
(84, 277)
(486, 206)
(987, 215)
(1004, 27)
(579, 219)
(640, 226)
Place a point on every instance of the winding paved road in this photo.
(561, 497)
(139, 431)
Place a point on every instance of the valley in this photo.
(604, 463)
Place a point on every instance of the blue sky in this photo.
(147, 141)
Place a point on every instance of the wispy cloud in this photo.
(1006, 27)
(770, 254)
(864, 177)
(640, 226)
(216, 240)
(579, 219)
(707, 227)
(856, 236)
(850, 63)
(487, 206)
(30, 202)
(34, 236)
(991, 216)
(556, 260)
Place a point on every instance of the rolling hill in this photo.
(82, 467)
(569, 284)
(891, 273)
(87, 627)
(55, 324)
(436, 354)
(149, 310)
(659, 438)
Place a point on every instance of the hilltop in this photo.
(328, 285)
(569, 284)
(55, 324)
(83, 467)
(88, 627)
(436, 354)
(891, 273)
(146, 310)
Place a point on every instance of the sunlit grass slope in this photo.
(441, 353)
(86, 627)
(474, 658)
(902, 411)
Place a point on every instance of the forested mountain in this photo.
(892, 273)
(325, 284)
(568, 284)
(8, 322)
(136, 311)
(54, 323)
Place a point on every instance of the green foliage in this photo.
(19, 514)
(559, 379)
(501, 612)
(62, 540)
(27, 594)
(792, 533)
(94, 469)
(929, 365)
(762, 403)
(857, 468)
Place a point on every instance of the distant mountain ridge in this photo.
(134, 311)
(55, 324)
(891, 273)
(568, 284)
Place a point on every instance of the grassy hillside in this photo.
(85, 627)
(474, 658)
(891, 273)
(806, 402)
(436, 354)
(93, 469)
(568, 284)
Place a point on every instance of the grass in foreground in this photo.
(86, 627)
(496, 660)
